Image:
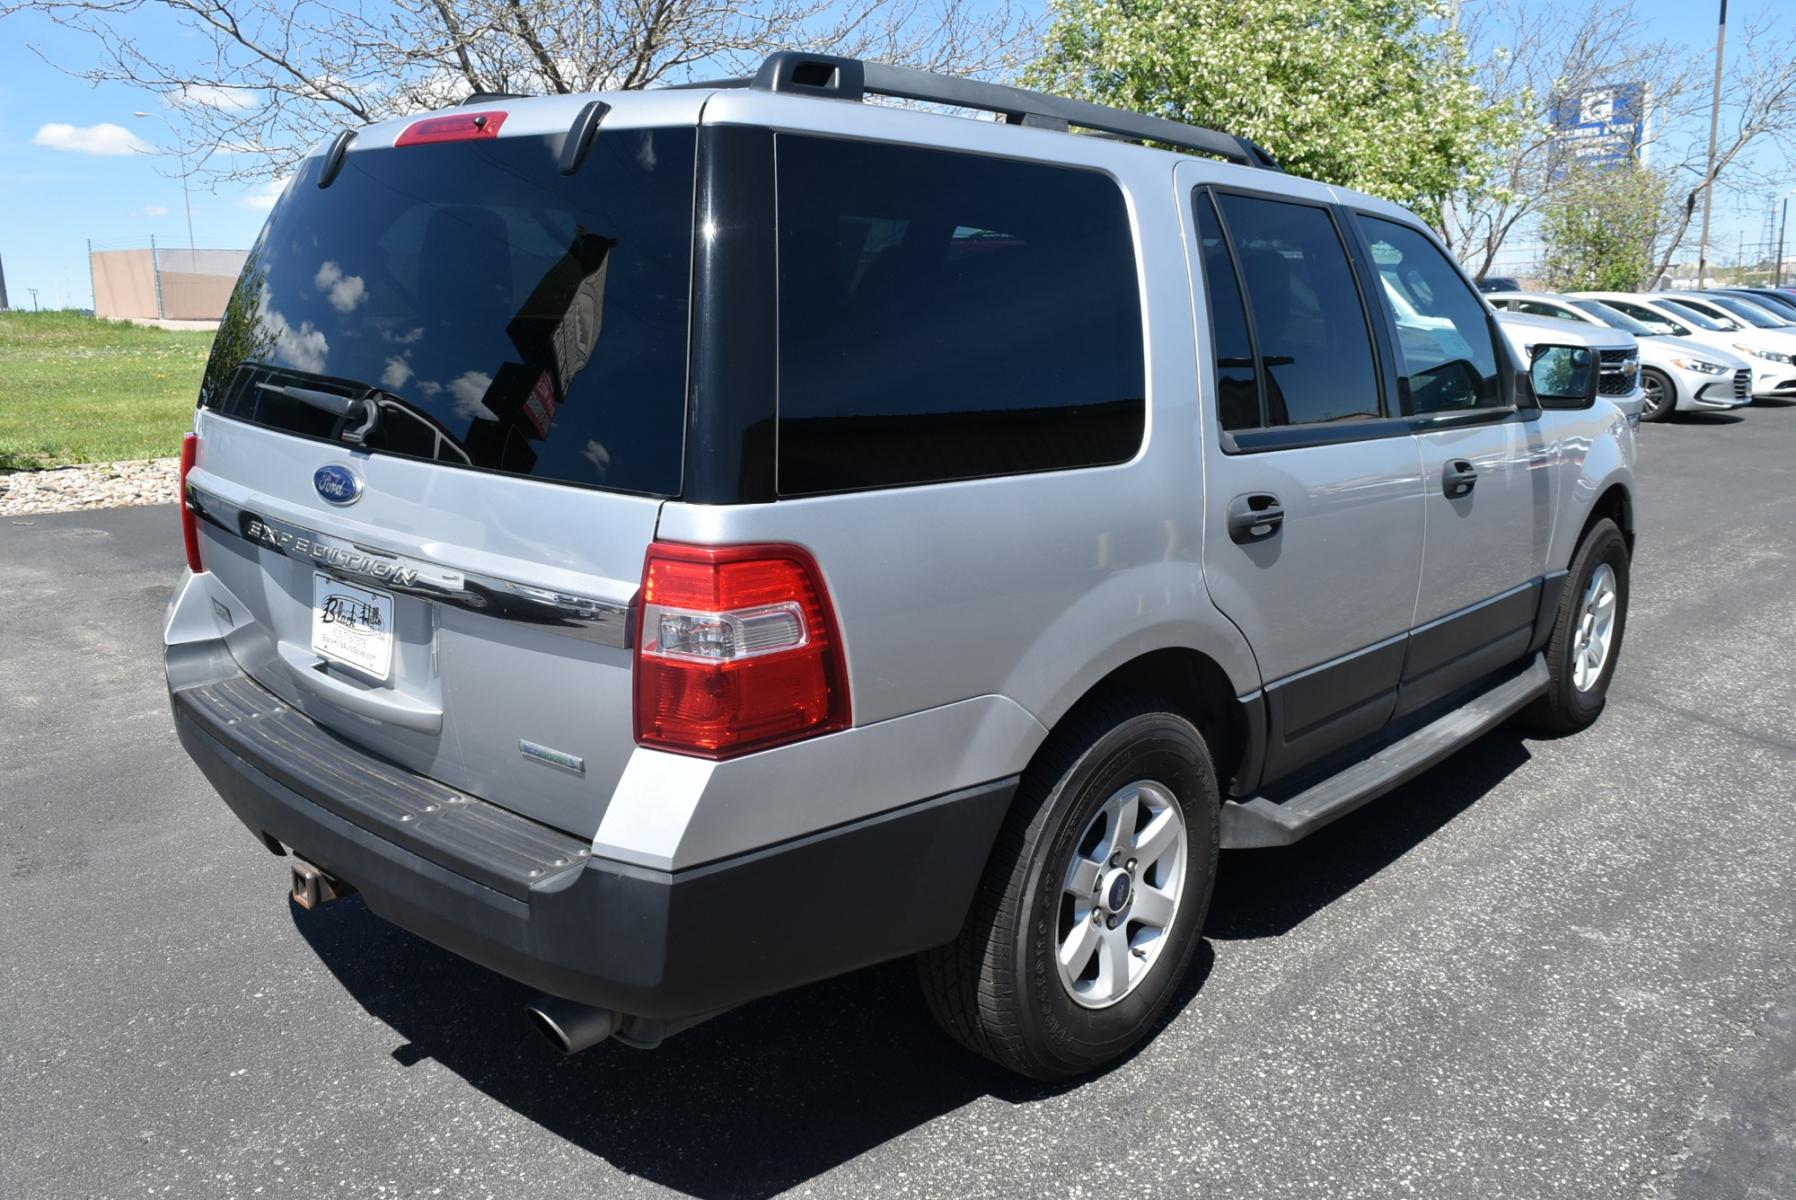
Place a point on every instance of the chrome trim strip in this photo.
(587, 618)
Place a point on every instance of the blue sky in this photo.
(56, 192)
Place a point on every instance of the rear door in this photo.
(1314, 516)
(442, 411)
(1485, 467)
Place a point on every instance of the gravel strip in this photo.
(92, 485)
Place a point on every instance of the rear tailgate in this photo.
(445, 404)
(514, 685)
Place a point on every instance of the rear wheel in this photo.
(1094, 899)
(1660, 395)
(1586, 641)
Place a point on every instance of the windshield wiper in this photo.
(362, 407)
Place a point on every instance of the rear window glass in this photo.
(498, 314)
(950, 316)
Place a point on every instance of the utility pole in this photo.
(33, 292)
(1708, 183)
(1783, 221)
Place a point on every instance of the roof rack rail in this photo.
(851, 79)
(489, 97)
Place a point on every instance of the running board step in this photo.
(1261, 822)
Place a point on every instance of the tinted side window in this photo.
(1449, 362)
(950, 316)
(1237, 374)
(1315, 350)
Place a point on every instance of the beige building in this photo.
(164, 284)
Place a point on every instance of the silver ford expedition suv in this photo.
(670, 547)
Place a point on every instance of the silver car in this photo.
(668, 547)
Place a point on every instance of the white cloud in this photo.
(104, 138)
(596, 454)
(469, 390)
(429, 387)
(303, 348)
(154, 210)
(227, 99)
(397, 372)
(346, 291)
(263, 195)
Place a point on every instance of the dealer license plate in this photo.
(352, 625)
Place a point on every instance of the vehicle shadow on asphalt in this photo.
(1265, 893)
(1702, 418)
(748, 1104)
(781, 1090)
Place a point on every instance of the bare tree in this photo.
(270, 78)
(1538, 55)
(1533, 56)
(1758, 100)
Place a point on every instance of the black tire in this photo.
(1661, 395)
(1565, 709)
(996, 988)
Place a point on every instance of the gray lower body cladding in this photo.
(653, 944)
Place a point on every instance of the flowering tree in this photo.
(1375, 95)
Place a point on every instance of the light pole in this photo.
(1778, 276)
(186, 198)
(1708, 183)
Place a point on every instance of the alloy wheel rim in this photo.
(1656, 398)
(1595, 628)
(1120, 894)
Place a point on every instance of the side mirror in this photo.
(1563, 376)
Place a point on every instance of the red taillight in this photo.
(737, 650)
(190, 523)
(462, 127)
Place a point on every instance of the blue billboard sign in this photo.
(1600, 128)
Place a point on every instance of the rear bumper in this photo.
(656, 945)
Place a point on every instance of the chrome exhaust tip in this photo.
(569, 1026)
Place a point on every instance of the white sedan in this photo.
(1676, 374)
(1771, 352)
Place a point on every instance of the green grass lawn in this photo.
(75, 390)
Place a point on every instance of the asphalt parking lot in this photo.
(1546, 968)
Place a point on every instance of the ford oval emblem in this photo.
(337, 484)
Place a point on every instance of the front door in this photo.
(1313, 524)
(1485, 467)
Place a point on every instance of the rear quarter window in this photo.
(950, 316)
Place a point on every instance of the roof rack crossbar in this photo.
(851, 79)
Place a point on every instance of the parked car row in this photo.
(1699, 351)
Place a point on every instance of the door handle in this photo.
(1254, 517)
(1458, 479)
